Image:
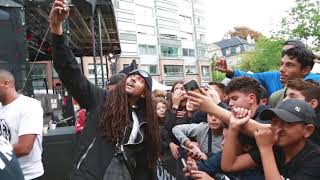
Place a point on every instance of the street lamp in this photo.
(113, 61)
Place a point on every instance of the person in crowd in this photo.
(9, 164)
(289, 133)
(208, 135)
(309, 92)
(24, 117)
(121, 136)
(212, 166)
(161, 108)
(220, 88)
(159, 93)
(284, 150)
(296, 62)
(264, 98)
(114, 80)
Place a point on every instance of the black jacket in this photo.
(95, 152)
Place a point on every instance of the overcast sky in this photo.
(259, 15)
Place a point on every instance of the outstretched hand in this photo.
(203, 100)
(59, 12)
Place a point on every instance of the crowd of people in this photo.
(257, 126)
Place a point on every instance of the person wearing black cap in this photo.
(121, 137)
(284, 150)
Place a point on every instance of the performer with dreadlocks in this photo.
(121, 136)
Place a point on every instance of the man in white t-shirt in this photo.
(24, 116)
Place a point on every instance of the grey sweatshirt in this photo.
(201, 133)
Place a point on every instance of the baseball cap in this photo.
(146, 76)
(292, 110)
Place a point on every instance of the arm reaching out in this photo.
(206, 104)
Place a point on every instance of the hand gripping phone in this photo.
(191, 86)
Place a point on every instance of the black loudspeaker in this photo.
(13, 46)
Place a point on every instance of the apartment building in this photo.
(166, 37)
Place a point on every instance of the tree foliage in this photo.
(243, 32)
(303, 21)
(266, 57)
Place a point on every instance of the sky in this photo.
(260, 15)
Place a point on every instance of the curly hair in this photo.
(114, 121)
(244, 85)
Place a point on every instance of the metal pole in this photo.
(94, 51)
(101, 50)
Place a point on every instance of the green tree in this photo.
(303, 22)
(266, 57)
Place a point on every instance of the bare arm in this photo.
(265, 139)
(207, 105)
(24, 145)
(231, 161)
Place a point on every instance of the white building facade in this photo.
(166, 37)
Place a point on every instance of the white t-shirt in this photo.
(25, 116)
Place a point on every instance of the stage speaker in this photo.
(13, 46)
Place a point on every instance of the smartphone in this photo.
(191, 86)
(184, 163)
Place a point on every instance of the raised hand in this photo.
(221, 65)
(265, 137)
(177, 96)
(203, 101)
(59, 12)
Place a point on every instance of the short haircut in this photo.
(309, 90)
(264, 93)
(221, 86)
(304, 56)
(6, 75)
(295, 43)
(244, 85)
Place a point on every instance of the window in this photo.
(169, 51)
(191, 69)
(198, 21)
(141, 29)
(173, 70)
(39, 76)
(188, 52)
(145, 11)
(205, 70)
(129, 48)
(169, 36)
(202, 37)
(185, 19)
(152, 69)
(202, 53)
(99, 72)
(126, 26)
(125, 5)
(187, 36)
(145, 49)
(124, 66)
